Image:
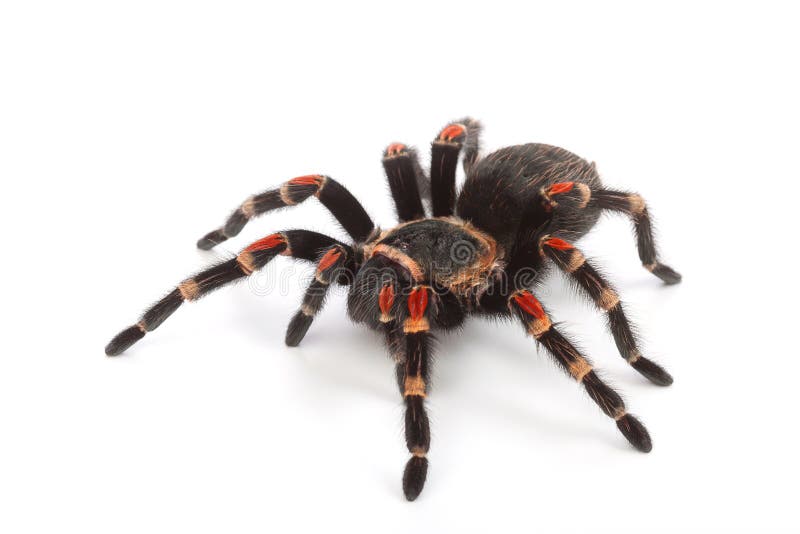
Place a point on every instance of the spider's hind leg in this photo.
(574, 264)
(634, 206)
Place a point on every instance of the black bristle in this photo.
(635, 432)
(123, 340)
(414, 476)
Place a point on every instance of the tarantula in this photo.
(481, 252)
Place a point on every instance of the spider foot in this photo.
(414, 476)
(652, 371)
(297, 328)
(669, 275)
(124, 340)
(211, 240)
(635, 432)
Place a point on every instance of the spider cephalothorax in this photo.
(482, 252)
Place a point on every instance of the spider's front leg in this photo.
(445, 149)
(410, 340)
(405, 176)
(298, 244)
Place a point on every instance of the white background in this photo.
(129, 129)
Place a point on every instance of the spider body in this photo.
(482, 252)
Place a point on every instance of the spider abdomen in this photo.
(502, 184)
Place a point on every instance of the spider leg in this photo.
(405, 175)
(633, 206)
(409, 340)
(445, 150)
(330, 267)
(416, 375)
(529, 311)
(334, 196)
(300, 244)
(575, 265)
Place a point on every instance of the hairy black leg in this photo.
(532, 246)
(412, 343)
(341, 203)
(300, 244)
(572, 262)
(635, 207)
(404, 174)
(331, 267)
(392, 332)
(444, 161)
(538, 324)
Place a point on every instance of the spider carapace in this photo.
(482, 252)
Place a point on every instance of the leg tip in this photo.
(124, 340)
(414, 477)
(211, 240)
(635, 432)
(667, 274)
(205, 244)
(652, 371)
(297, 329)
